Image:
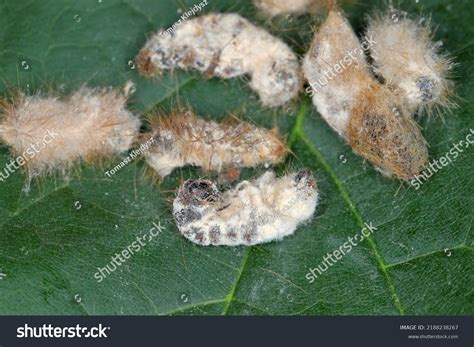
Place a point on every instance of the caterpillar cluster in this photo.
(370, 105)
(182, 139)
(226, 45)
(260, 211)
(376, 118)
(92, 123)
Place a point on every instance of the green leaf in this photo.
(53, 240)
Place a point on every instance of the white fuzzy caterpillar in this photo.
(407, 59)
(226, 45)
(89, 124)
(367, 114)
(260, 211)
(184, 139)
(274, 8)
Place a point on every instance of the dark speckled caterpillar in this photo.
(260, 211)
(226, 46)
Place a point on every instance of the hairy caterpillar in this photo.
(368, 115)
(260, 211)
(184, 139)
(274, 8)
(406, 58)
(226, 45)
(89, 124)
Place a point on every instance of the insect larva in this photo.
(184, 139)
(367, 114)
(260, 211)
(406, 58)
(226, 45)
(88, 125)
(274, 8)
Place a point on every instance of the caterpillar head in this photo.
(427, 91)
(304, 180)
(145, 66)
(193, 200)
(198, 192)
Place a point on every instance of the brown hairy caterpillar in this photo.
(226, 46)
(368, 115)
(89, 124)
(259, 211)
(274, 8)
(183, 139)
(406, 58)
